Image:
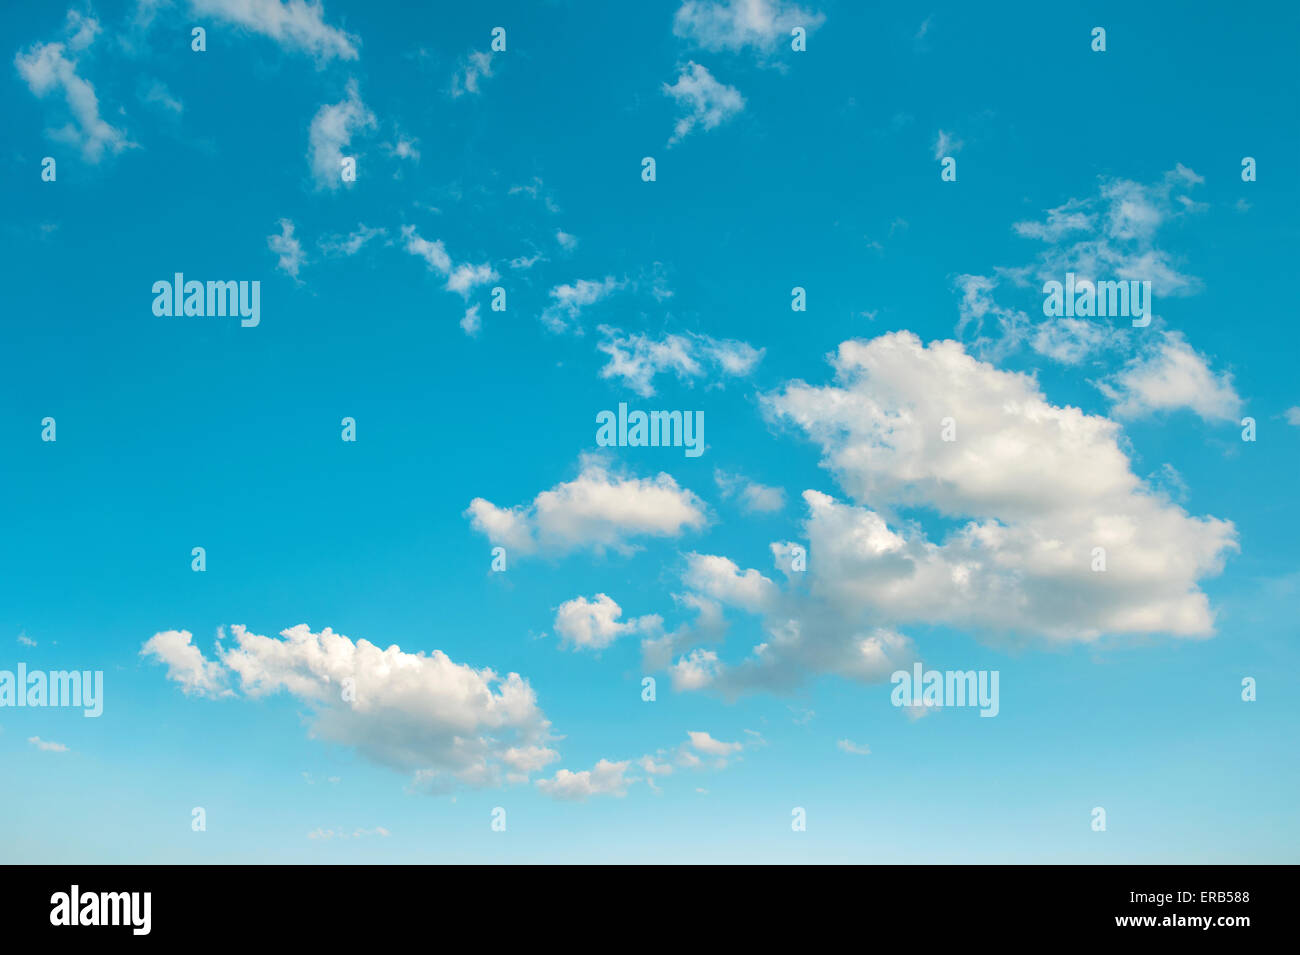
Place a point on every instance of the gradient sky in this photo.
(775, 169)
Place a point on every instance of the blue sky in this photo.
(521, 169)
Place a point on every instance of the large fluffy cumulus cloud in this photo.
(1001, 530)
(1038, 488)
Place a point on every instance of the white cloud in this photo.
(1041, 486)
(461, 279)
(529, 759)
(288, 249)
(978, 305)
(720, 579)
(1070, 341)
(611, 778)
(186, 664)
(599, 510)
(1061, 222)
(708, 103)
(526, 261)
(25, 640)
(46, 69)
(471, 323)
(404, 149)
(466, 80)
(594, 624)
(332, 129)
(82, 30)
(1032, 488)
(637, 359)
(1170, 376)
(465, 277)
(695, 670)
(434, 253)
(158, 94)
(733, 357)
(46, 745)
(444, 722)
(294, 24)
(570, 300)
(567, 242)
(353, 242)
(1293, 416)
(706, 744)
(848, 746)
(536, 189)
(734, 25)
(605, 779)
(653, 767)
(945, 144)
(1107, 236)
(754, 498)
(1112, 234)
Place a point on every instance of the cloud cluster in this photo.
(1110, 235)
(1113, 234)
(52, 68)
(609, 778)
(737, 25)
(446, 723)
(1040, 486)
(803, 633)
(1028, 495)
(637, 359)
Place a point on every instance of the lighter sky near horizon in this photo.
(918, 467)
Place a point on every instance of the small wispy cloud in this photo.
(707, 102)
(332, 130)
(477, 66)
(46, 745)
(946, 144)
(287, 248)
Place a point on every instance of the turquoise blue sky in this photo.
(521, 169)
